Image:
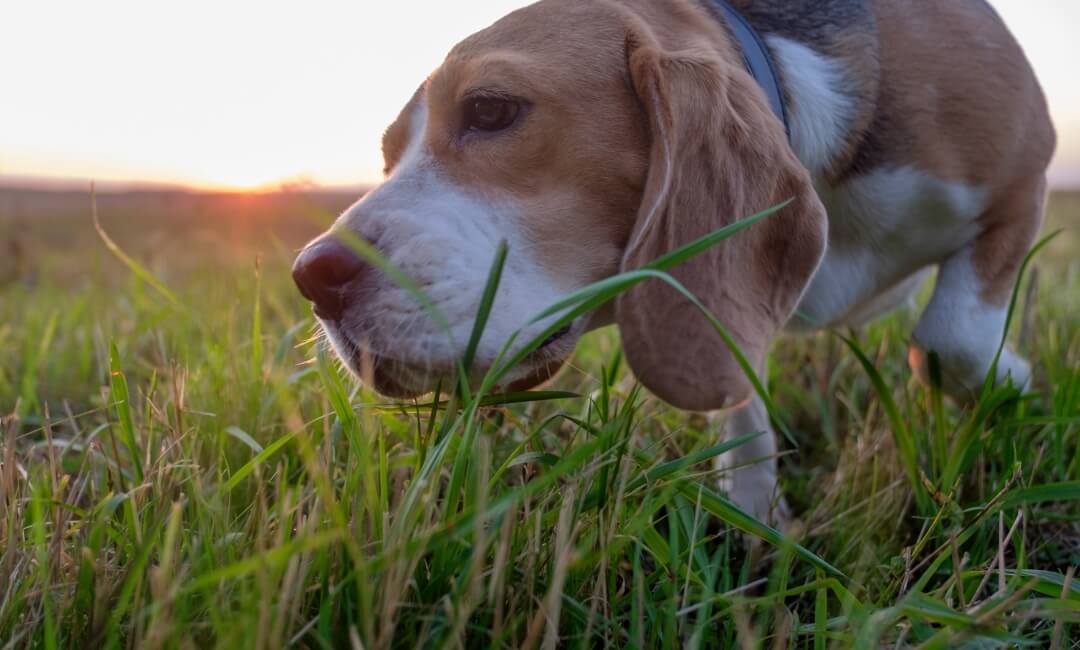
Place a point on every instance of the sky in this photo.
(244, 93)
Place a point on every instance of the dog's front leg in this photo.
(748, 473)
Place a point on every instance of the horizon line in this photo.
(46, 183)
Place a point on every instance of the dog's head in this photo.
(592, 137)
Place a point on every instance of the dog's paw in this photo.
(963, 377)
(1012, 367)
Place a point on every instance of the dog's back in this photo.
(937, 81)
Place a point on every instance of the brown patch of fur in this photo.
(1010, 229)
(957, 98)
(728, 158)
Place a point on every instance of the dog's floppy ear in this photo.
(718, 155)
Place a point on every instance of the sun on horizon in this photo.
(243, 96)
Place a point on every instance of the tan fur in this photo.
(980, 120)
(727, 159)
(1010, 229)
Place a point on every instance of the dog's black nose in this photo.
(321, 272)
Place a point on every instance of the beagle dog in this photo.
(593, 136)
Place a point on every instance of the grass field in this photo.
(180, 468)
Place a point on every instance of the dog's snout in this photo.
(322, 271)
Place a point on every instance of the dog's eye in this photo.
(490, 113)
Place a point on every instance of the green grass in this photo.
(182, 468)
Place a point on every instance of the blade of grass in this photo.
(905, 440)
(1047, 493)
(483, 313)
(465, 449)
(272, 558)
(239, 475)
(663, 263)
(1014, 299)
(121, 398)
(137, 269)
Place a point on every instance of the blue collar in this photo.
(757, 58)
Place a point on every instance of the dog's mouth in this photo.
(388, 376)
(401, 379)
(556, 337)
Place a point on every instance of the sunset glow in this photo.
(243, 94)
